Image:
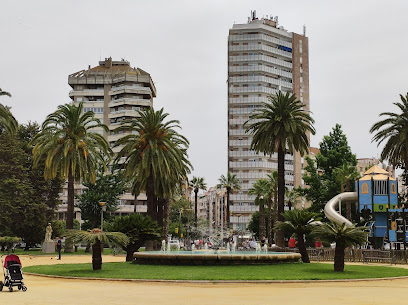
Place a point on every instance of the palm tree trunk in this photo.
(281, 193)
(195, 206)
(339, 258)
(269, 220)
(166, 219)
(70, 210)
(348, 203)
(151, 198)
(261, 220)
(160, 207)
(302, 248)
(275, 210)
(228, 208)
(97, 255)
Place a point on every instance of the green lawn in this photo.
(106, 251)
(295, 271)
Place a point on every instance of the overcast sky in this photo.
(358, 60)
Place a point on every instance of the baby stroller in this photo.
(12, 273)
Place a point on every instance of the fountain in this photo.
(216, 255)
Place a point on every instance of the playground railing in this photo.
(357, 255)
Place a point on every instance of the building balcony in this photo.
(123, 113)
(87, 92)
(243, 197)
(130, 101)
(130, 89)
(241, 121)
(237, 132)
(244, 208)
(259, 59)
(261, 48)
(254, 164)
(248, 100)
(259, 37)
(264, 79)
(253, 89)
(259, 69)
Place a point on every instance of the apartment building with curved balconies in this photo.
(263, 58)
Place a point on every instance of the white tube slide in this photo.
(330, 207)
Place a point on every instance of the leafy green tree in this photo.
(107, 188)
(71, 148)
(197, 183)
(260, 190)
(281, 123)
(320, 176)
(299, 222)
(229, 183)
(347, 174)
(155, 157)
(138, 228)
(253, 224)
(343, 236)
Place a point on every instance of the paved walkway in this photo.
(62, 291)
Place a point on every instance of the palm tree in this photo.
(230, 183)
(292, 198)
(197, 183)
(4, 93)
(344, 175)
(155, 158)
(97, 237)
(282, 123)
(273, 190)
(260, 190)
(7, 120)
(299, 222)
(139, 228)
(394, 130)
(72, 149)
(343, 236)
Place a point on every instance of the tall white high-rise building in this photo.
(263, 58)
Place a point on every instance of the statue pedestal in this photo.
(48, 247)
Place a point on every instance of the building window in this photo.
(381, 187)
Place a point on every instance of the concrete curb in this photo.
(217, 281)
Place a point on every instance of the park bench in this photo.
(377, 256)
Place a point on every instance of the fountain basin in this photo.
(224, 258)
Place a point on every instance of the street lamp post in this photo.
(103, 208)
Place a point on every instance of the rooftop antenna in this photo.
(304, 30)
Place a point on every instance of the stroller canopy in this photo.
(11, 258)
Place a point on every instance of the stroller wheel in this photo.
(11, 288)
(24, 288)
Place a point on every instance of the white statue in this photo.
(163, 247)
(48, 232)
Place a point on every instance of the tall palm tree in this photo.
(260, 190)
(273, 191)
(97, 237)
(230, 183)
(346, 174)
(197, 183)
(292, 198)
(155, 158)
(394, 130)
(281, 124)
(299, 222)
(343, 236)
(7, 120)
(72, 149)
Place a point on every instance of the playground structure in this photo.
(377, 197)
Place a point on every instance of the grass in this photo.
(106, 251)
(295, 271)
